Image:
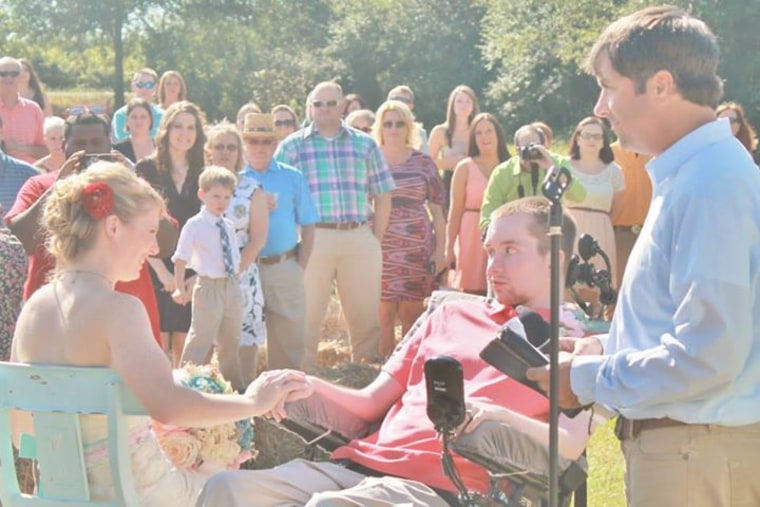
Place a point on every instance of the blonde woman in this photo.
(102, 227)
(413, 244)
(171, 89)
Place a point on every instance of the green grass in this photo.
(606, 467)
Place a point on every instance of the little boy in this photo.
(208, 245)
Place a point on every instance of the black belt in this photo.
(630, 428)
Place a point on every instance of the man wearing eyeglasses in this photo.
(350, 183)
(22, 118)
(144, 86)
(283, 258)
(522, 175)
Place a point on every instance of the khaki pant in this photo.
(354, 259)
(217, 318)
(313, 484)
(285, 313)
(694, 466)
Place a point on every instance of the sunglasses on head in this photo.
(10, 73)
(228, 147)
(405, 100)
(284, 123)
(148, 85)
(259, 142)
(398, 124)
(77, 110)
(324, 103)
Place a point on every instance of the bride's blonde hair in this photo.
(70, 229)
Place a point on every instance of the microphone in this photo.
(537, 330)
(588, 247)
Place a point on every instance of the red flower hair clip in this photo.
(97, 199)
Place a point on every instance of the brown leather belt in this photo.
(341, 226)
(630, 428)
(635, 229)
(275, 259)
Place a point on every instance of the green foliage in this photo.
(522, 57)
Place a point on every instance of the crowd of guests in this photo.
(370, 207)
(234, 235)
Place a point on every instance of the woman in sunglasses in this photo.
(413, 244)
(285, 120)
(173, 171)
(140, 144)
(361, 119)
(740, 127)
(591, 161)
(224, 146)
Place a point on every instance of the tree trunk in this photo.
(118, 58)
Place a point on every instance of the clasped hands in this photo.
(272, 389)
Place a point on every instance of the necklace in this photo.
(87, 272)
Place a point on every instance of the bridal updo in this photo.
(77, 203)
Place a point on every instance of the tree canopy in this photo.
(522, 57)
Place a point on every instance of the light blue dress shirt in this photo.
(685, 338)
(294, 205)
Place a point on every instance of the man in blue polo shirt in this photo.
(283, 259)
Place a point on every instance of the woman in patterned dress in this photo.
(248, 211)
(413, 246)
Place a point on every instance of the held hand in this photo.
(451, 258)
(190, 283)
(477, 412)
(566, 398)
(440, 263)
(179, 296)
(271, 201)
(72, 165)
(119, 157)
(167, 280)
(272, 389)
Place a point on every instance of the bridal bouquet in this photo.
(209, 450)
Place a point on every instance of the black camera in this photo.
(90, 158)
(445, 393)
(530, 152)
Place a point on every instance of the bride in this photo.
(102, 227)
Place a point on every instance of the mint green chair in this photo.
(56, 396)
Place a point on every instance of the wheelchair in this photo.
(508, 455)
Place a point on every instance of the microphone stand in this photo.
(555, 184)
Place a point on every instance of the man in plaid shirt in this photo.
(350, 182)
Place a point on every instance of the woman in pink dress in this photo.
(464, 246)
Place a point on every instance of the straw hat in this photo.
(259, 125)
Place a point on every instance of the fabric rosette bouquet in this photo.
(207, 450)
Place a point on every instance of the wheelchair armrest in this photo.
(324, 423)
(501, 449)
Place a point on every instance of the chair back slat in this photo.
(56, 396)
